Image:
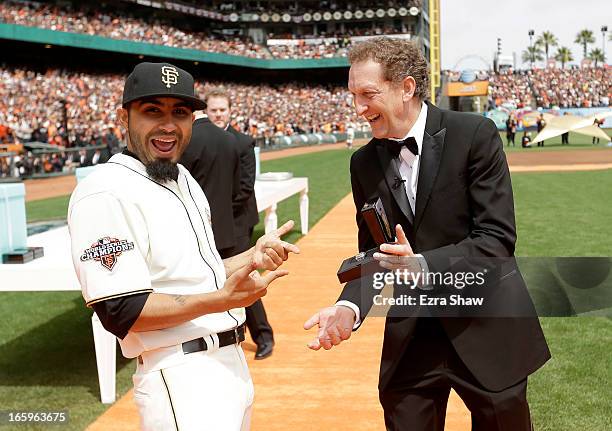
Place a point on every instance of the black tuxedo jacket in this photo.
(245, 204)
(464, 208)
(212, 159)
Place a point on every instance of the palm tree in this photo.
(597, 55)
(546, 40)
(564, 55)
(532, 54)
(584, 38)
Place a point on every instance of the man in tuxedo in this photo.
(212, 159)
(218, 109)
(444, 183)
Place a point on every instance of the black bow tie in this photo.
(395, 147)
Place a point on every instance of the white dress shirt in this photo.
(408, 162)
(409, 171)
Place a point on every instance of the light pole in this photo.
(604, 31)
(531, 33)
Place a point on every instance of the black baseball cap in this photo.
(160, 80)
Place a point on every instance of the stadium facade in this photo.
(290, 37)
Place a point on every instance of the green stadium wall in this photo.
(85, 41)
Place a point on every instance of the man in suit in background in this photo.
(444, 183)
(83, 160)
(212, 159)
(218, 109)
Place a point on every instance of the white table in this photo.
(55, 272)
(270, 193)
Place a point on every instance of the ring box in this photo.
(364, 263)
(376, 218)
(359, 265)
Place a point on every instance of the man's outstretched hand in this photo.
(335, 326)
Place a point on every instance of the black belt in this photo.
(226, 338)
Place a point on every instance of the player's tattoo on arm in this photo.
(180, 299)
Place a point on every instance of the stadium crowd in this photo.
(511, 88)
(67, 108)
(305, 49)
(77, 109)
(277, 110)
(116, 26)
(586, 88)
(57, 107)
(324, 45)
(546, 88)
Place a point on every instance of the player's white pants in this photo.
(210, 390)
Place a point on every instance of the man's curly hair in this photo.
(399, 59)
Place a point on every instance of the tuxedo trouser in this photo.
(207, 390)
(416, 397)
(256, 317)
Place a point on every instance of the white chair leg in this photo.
(271, 219)
(304, 211)
(106, 350)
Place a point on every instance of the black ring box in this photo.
(364, 263)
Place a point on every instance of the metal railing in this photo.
(22, 165)
(31, 163)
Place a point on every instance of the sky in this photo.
(471, 27)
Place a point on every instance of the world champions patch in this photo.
(106, 251)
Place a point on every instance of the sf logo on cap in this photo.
(169, 75)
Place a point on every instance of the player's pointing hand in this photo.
(270, 251)
(246, 285)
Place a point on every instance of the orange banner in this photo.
(476, 88)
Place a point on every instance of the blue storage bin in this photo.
(13, 232)
(83, 172)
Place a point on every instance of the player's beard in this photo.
(162, 170)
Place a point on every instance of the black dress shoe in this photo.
(264, 350)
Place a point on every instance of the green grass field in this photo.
(47, 359)
(47, 209)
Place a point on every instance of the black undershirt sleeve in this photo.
(119, 314)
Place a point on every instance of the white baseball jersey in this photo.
(350, 132)
(131, 235)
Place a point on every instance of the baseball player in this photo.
(350, 135)
(144, 253)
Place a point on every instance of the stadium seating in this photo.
(106, 23)
(546, 88)
(32, 106)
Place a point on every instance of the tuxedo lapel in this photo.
(392, 175)
(431, 153)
